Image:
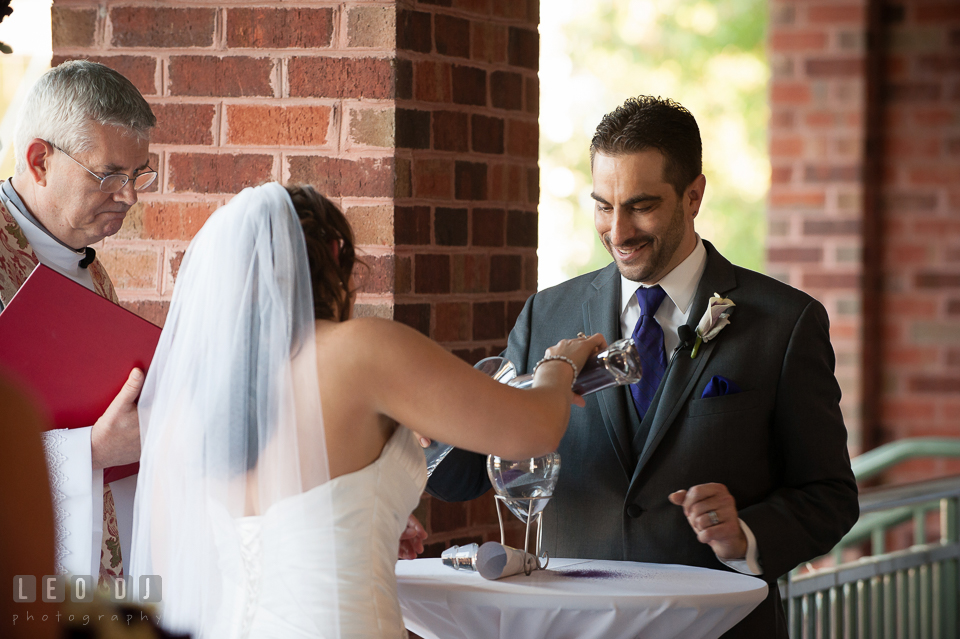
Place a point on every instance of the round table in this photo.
(575, 599)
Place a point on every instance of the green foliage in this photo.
(709, 56)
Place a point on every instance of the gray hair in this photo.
(68, 99)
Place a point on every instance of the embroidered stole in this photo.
(17, 261)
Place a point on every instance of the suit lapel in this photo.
(683, 372)
(601, 314)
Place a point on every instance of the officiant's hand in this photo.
(411, 540)
(115, 438)
(721, 529)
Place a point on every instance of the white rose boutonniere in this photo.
(714, 321)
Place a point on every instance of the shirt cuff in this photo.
(78, 500)
(749, 565)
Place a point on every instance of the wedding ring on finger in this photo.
(714, 520)
(581, 335)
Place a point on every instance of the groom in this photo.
(730, 453)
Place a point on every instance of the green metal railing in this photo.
(879, 459)
(909, 594)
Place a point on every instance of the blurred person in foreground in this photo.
(26, 515)
(26, 518)
(731, 452)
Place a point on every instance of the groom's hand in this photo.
(411, 540)
(721, 530)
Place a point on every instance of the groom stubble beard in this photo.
(664, 248)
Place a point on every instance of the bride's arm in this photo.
(410, 378)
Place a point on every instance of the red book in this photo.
(73, 349)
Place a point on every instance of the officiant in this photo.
(731, 452)
(81, 146)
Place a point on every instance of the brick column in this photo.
(467, 136)
(419, 118)
(465, 221)
(864, 208)
(920, 197)
(817, 136)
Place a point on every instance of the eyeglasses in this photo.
(116, 181)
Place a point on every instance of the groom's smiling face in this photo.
(643, 223)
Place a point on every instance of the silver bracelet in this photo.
(562, 358)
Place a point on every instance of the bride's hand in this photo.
(577, 350)
(424, 441)
(411, 539)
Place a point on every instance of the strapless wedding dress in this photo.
(288, 590)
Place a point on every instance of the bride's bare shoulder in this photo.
(358, 350)
(364, 332)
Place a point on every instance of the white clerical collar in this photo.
(47, 248)
(680, 284)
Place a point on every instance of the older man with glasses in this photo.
(81, 147)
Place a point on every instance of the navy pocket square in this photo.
(719, 386)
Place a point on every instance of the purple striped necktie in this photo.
(648, 337)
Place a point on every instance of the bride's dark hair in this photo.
(330, 251)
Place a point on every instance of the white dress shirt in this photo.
(680, 285)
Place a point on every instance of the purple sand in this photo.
(593, 574)
(594, 377)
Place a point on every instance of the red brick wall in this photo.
(817, 103)
(419, 118)
(245, 95)
(864, 207)
(921, 233)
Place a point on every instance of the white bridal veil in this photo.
(230, 419)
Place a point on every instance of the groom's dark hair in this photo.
(330, 251)
(646, 122)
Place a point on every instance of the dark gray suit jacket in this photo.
(779, 445)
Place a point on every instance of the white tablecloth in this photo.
(575, 599)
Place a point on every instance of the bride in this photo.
(266, 512)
